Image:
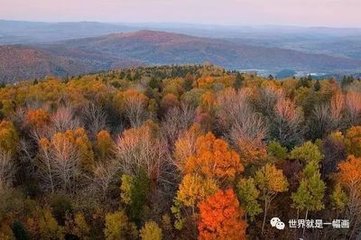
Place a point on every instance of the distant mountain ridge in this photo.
(146, 47)
(19, 32)
(342, 42)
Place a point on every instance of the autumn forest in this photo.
(179, 152)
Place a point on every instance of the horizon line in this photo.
(230, 25)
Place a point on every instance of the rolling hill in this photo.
(156, 48)
(22, 62)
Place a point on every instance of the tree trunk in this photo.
(265, 214)
(298, 213)
(304, 228)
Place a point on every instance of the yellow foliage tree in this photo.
(194, 188)
(270, 182)
(48, 226)
(117, 226)
(151, 231)
(127, 183)
(353, 141)
(81, 227)
(8, 137)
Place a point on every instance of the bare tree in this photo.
(185, 146)
(239, 120)
(252, 127)
(134, 106)
(232, 105)
(176, 121)
(353, 106)
(26, 154)
(137, 149)
(286, 125)
(7, 169)
(58, 163)
(64, 119)
(267, 99)
(337, 107)
(65, 156)
(18, 118)
(44, 164)
(21, 120)
(334, 151)
(321, 122)
(104, 174)
(94, 118)
(27, 151)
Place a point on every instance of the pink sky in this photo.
(340, 13)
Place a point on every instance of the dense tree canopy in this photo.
(178, 152)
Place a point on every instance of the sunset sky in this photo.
(340, 13)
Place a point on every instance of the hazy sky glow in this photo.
(340, 13)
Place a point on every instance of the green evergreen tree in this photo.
(317, 86)
(310, 193)
(248, 194)
(19, 231)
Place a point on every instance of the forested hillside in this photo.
(179, 152)
(149, 48)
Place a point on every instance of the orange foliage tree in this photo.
(213, 158)
(221, 217)
(208, 101)
(204, 82)
(38, 118)
(206, 110)
(252, 151)
(168, 101)
(350, 172)
(349, 176)
(104, 145)
(84, 146)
